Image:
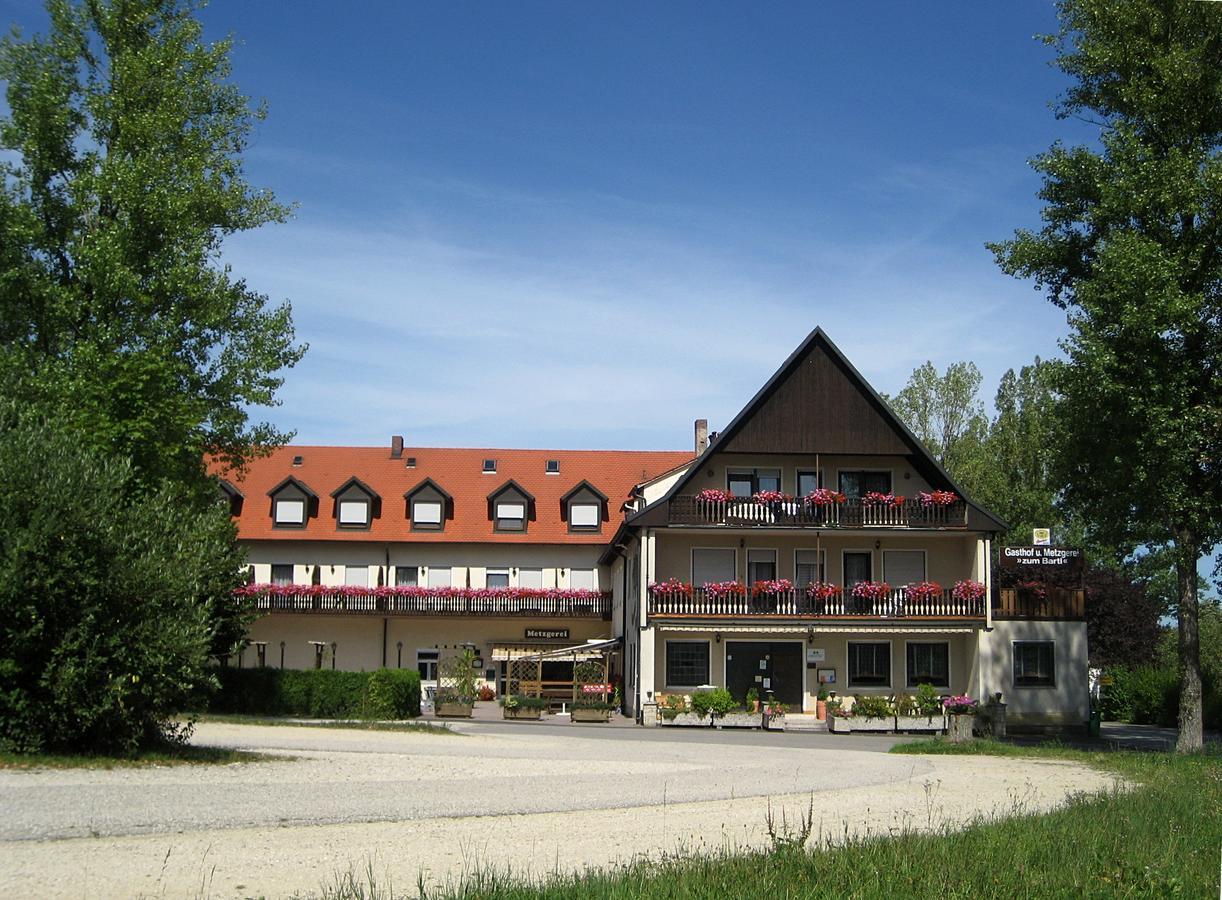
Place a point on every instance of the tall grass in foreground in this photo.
(1160, 840)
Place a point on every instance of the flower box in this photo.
(935, 724)
(453, 710)
(591, 715)
(839, 725)
(522, 712)
(738, 720)
(861, 723)
(686, 719)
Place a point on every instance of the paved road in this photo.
(344, 776)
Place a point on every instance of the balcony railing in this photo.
(895, 604)
(430, 602)
(1043, 603)
(687, 509)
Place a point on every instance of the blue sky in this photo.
(569, 225)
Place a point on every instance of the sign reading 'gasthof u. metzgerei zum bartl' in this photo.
(1060, 559)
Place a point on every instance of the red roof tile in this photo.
(456, 470)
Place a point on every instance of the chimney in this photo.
(702, 436)
(396, 446)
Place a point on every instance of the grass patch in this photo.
(1160, 839)
(353, 724)
(189, 755)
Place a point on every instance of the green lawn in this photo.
(188, 755)
(1161, 839)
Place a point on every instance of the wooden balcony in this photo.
(1055, 603)
(853, 513)
(434, 603)
(795, 604)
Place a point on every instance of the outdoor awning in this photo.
(507, 650)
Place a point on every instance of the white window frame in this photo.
(496, 570)
(820, 564)
(430, 523)
(346, 503)
(449, 570)
(593, 578)
(692, 561)
(507, 522)
(776, 563)
(595, 514)
(523, 570)
(1014, 665)
(351, 572)
(924, 562)
(415, 570)
(433, 657)
(844, 572)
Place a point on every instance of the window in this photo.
(510, 516)
(713, 565)
(1034, 664)
(584, 515)
(497, 578)
(928, 663)
(745, 482)
(808, 481)
(687, 663)
(858, 567)
(553, 467)
(426, 664)
(530, 578)
(761, 565)
(858, 483)
(902, 567)
(582, 579)
(809, 567)
(406, 576)
(869, 664)
(426, 513)
(353, 513)
(356, 576)
(490, 466)
(290, 512)
(439, 577)
(282, 574)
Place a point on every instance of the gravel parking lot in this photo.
(538, 799)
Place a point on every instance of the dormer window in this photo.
(293, 503)
(552, 467)
(582, 507)
(356, 505)
(428, 506)
(490, 467)
(231, 496)
(510, 516)
(510, 507)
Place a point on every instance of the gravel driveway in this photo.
(541, 798)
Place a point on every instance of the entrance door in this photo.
(765, 666)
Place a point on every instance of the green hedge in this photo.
(1150, 695)
(318, 693)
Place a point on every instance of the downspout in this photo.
(385, 628)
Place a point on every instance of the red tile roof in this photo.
(458, 471)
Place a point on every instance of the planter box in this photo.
(688, 719)
(935, 724)
(774, 723)
(839, 725)
(738, 720)
(861, 723)
(522, 712)
(591, 715)
(453, 710)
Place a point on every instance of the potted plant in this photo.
(486, 692)
(961, 717)
(456, 697)
(774, 715)
(592, 711)
(520, 706)
(920, 713)
(821, 704)
(752, 703)
(873, 713)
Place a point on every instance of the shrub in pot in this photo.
(717, 701)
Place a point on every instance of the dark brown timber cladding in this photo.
(817, 408)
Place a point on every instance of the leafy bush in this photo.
(522, 701)
(592, 704)
(717, 701)
(872, 707)
(1145, 695)
(319, 693)
(106, 586)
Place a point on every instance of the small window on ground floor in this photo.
(929, 663)
(869, 664)
(1034, 664)
(426, 664)
(687, 663)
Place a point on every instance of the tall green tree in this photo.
(114, 304)
(1131, 247)
(944, 411)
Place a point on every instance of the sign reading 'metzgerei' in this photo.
(547, 634)
(1062, 559)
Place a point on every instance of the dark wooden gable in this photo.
(815, 403)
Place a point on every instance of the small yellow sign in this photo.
(1041, 537)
